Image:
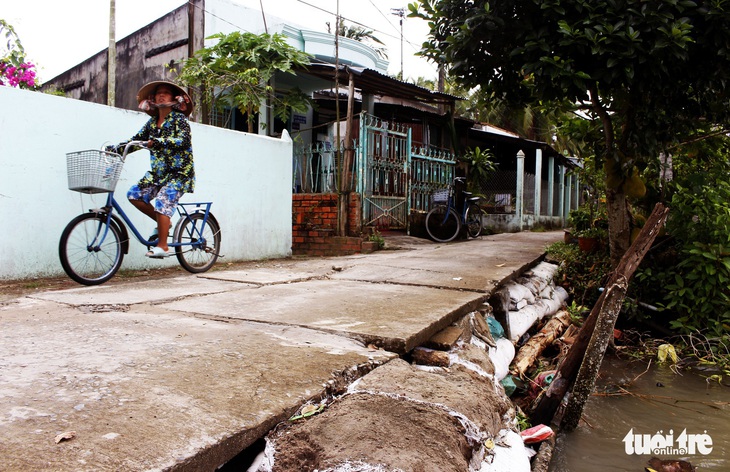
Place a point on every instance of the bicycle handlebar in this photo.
(127, 147)
(142, 144)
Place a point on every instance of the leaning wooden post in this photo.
(602, 334)
(568, 369)
(343, 200)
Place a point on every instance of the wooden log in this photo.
(602, 334)
(528, 353)
(423, 356)
(548, 404)
(541, 462)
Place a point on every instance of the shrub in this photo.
(580, 273)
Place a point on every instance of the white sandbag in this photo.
(521, 321)
(561, 294)
(548, 306)
(501, 356)
(519, 305)
(543, 270)
(538, 277)
(548, 292)
(534, 284)
(519, 292)
(514, 457)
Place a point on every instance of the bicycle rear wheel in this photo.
(201, 248)
(442, 224)
(473, 220)
(90, 249)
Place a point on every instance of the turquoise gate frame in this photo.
(395, 178)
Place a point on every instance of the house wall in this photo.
(157, 51)
(248, 177)
(145, 55)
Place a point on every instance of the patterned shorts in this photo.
(165, 198)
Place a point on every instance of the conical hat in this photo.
(147, 92)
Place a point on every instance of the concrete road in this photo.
(186, 374)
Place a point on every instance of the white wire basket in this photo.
(93, 171)
(440, 196)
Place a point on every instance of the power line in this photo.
(325, 11)
(359, 23)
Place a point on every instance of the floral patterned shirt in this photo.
(171, 156)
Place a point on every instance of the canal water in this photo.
(662, 414)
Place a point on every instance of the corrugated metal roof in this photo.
(375, 83)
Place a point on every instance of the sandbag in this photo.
(501, 356)
(518, 292)
(521, 321)
(514, 457)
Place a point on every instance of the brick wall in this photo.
(314, 225)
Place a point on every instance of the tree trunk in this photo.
(619, 224)
(539, 342)
(343, 197)
(549, 402)
(602, 335)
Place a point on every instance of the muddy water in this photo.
(662, 406)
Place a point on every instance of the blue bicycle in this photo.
(93, 244)
(453, 208)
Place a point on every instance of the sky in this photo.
(58, 35)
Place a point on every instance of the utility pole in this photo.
(400, 12)
(111, 82)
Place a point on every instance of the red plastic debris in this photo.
(536, 434)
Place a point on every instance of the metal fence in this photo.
(318, 167)
(431, 170)
(395, 177)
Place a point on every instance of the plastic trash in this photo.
(536, 434)
(509, 385)
(495, 329)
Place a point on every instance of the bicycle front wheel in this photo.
(90, 249)
(473, 220)
(200, 245)
(442, 224)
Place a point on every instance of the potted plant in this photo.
(590, 239)
(579, 221)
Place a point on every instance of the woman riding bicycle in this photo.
(169, 141)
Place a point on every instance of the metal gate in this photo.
(393, 176)
(383, 182)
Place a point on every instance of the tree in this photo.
(363, 35)
(648, 72)
(15, 71)
(238, 69)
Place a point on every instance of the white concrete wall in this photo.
(248, 178)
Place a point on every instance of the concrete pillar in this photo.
(551, 185)
(264, 124)
(520, 197)
(561, 193)
(568, 197)
(538, 182)
(368, 103)
(576, 197)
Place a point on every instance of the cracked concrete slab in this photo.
(149, 392)
(187, 372)
(395, 317)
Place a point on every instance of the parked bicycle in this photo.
(453, 208)
(93, 244)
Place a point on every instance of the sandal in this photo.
(158, 253)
